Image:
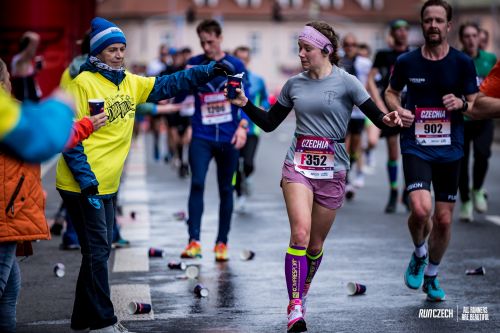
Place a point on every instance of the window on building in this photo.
(206, 3)
(249, 3)
(365, 4)
(378, 4)
(291, 3)
(255, 40)
(294, 49)
(337, 4)
(168, 39)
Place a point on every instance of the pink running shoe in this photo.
(296, 322)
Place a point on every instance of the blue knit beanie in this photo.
(104, 33)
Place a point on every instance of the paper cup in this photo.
(200, 290)
(155, 253)
(356, 288)
(233, 82)
(192, 271)
(247, 255)
(96, 106)
(59, 270)
(139, 308)
(478, 271)
(177, 265)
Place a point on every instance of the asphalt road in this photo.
(365, 245)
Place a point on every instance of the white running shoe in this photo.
(466, 214)
(480, 201)
(359, 181)
(240, 206)
(116, 328)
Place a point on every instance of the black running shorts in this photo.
(420, 174)
(356, 126)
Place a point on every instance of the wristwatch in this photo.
(465, 105)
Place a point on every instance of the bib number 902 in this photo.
(433, 128)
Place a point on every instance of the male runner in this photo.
(441, 86)
(219, 131)
(383, 66)
(477, 132)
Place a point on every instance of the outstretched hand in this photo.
(407, 117)
(222, 70)
(392, 119)
(241, 100)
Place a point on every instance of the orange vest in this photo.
(22, 202)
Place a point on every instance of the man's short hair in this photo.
(466, 25)
(209, 26)
(440, 3)
(241, 49)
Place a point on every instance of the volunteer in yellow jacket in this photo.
(88, 175)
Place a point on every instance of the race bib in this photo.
(314, 157)
(432, 126)
(215, 109)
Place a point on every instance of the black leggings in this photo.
(247, 153)
(480, 133)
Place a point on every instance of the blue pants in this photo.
(201, 153)
(93, 222)
(10, 284)
(69, 236)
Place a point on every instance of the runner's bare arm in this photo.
(393, 100)
(371, 86)
(484, 107)
(454, 103)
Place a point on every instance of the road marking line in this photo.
(133, 259)
(46, 166)
(493, 219)
(50, 322)
(123, 294)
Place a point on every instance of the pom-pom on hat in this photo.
(104, 33)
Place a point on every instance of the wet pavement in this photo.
(365, 246)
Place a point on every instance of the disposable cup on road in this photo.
(177, 265)
(59, 270)
(478, 271)
(192, 271)
(139, 308)
(355, 288)
(247, 255)
(180, 215)
(155, 253)
(200, 290)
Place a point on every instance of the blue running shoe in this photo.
(431, 287)
(414, 275)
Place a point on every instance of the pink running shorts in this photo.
(328, 193)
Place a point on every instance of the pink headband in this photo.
(315, 38)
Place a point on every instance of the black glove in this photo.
(222, 70)
(90, 191)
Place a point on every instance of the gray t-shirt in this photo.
(323, 108)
